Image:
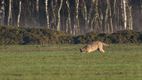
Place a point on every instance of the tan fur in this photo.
(93, 46)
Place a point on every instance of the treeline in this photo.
(73, 16)
(11, 35)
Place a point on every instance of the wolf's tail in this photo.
(105, 44)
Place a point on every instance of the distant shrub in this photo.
(104, 37)
(140, 37)
(126, 36)
(79, 39)
(18, 35)
(66, 39)
(85, 38)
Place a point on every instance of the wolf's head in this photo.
(83, 49)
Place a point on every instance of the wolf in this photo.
(93, 46)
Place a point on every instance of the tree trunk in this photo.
(19, 14)
(130, 18)
(85, 14)
(76, 23)
(125, 14)
(47, 15)
(59, 18)
(68, 22)
(95, 23)
(105, 19)
(90, 17)
(10, 12)
(2, 12)
(110, 24)
(37, 5)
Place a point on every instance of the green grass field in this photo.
(65, 62)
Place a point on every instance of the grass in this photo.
(65, 62)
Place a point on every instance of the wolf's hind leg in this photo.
(101, 49)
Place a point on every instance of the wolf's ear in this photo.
(81, 50)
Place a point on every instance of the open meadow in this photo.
(65, 62)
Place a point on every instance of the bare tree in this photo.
(68, 23)
(85, 14)
(59, 18)
(90, 17)
(97, 18)
(10, 12)
(124, 13)
(53, 19)
(2, 12)
(47, 15)
(37, 5)
(76, 23)
(130, 18)
(109, 17)
(19, 14)
(73, 16)
(127, 15)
